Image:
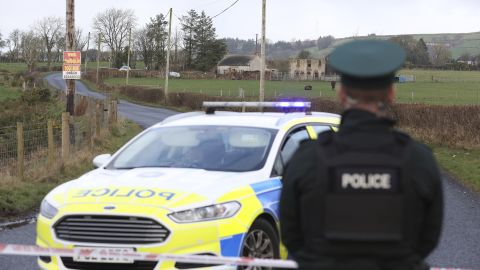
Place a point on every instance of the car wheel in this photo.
(262, 242)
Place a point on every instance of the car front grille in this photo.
(111, 230)
(137, 265)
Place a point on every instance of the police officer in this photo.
(367, 196)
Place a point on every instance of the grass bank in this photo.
(463, 164)
(8, 92)
(21, 197)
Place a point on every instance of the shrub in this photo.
(36, 95)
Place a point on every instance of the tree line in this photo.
(194, 46)
(45, 41)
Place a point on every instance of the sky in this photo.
(286, 19)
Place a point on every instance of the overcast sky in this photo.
(286, 19)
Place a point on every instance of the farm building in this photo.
(242, 67)
(307, 69)
(238, 63)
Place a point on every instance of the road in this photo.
(459, 246)
(142, 115)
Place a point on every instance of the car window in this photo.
(217, 148)
(321, 128)
(292, 142)
(289, 147)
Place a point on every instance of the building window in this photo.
(298, 63)
(315, 75)
(309, 63)
(319, 63)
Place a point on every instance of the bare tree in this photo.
(144, 45)
(14, 41)
(80, 39)
(31, 48)
(114, 25)
(440, 55)
(49, 28)
(2, 42)
(59, 47)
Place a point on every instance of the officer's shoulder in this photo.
(422, 153)
(325, 137)
(418, 149)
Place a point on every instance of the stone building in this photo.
(307, 69)
(238, 64)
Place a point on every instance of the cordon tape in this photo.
(112, 254)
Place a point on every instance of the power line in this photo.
(225, 9)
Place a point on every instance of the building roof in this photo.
(236, 60)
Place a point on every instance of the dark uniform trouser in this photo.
(360, 264)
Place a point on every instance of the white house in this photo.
(238, 64)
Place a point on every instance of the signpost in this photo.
(72, 65)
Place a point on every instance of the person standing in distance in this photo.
(367, 196)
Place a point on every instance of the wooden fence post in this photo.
(98, 119)
(112, 112)
(65, 135)
(51, 146)
(89, 132)
(20, 151)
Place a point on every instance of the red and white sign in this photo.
(72, 65)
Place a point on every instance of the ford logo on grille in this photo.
(109, 207)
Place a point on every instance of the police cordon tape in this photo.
(116, 254)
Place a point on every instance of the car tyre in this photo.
(261, 241)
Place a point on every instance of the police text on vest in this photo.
(366, 181)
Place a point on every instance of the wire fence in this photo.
(25, 148)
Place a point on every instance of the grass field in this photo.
(7, 92)
(446, 87)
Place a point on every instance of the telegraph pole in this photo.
(98, 53)
(128, 55)
(70, 44)
(167, 69)
(86, 53)
(262, 66)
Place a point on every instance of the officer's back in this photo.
(367, 197)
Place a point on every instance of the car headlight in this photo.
(47, 210)
(211, 212)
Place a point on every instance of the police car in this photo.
(203, 183)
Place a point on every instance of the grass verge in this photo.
(8, 92)
(462, 164)
(21, 197)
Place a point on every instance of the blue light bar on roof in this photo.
(280, 104)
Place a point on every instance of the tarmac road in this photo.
(142, 115)
(459, 246)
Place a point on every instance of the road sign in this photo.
(72, 65)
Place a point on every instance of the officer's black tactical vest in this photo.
(366, 193)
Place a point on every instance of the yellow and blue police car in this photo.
(203, 183)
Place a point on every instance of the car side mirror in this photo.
(101, 160)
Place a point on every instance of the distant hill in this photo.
(458, 44)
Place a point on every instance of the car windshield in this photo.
(216, 148)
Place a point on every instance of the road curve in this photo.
(459, 246)
(142, 115)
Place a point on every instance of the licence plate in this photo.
(96, 258)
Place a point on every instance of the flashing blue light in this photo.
(284, 104)
(299, 104)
